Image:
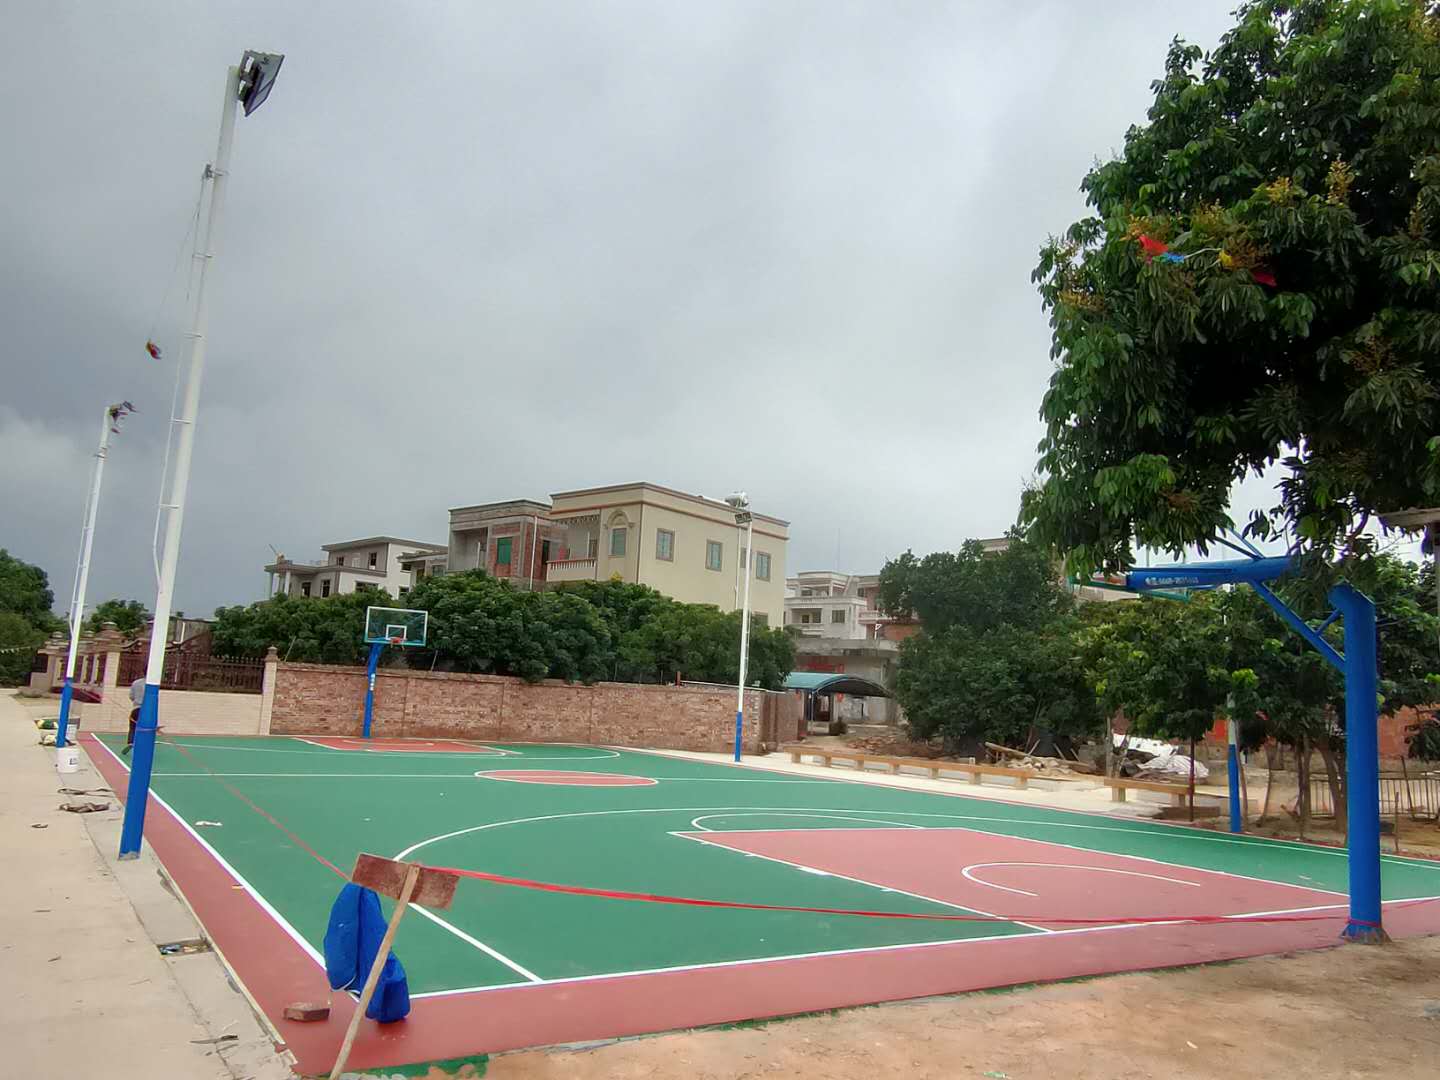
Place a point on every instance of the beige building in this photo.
(686, 546)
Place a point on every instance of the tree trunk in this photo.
(1270, 749)
(1302, 773)
(1337, 785)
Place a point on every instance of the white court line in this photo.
(481, 749)
(486, 949)
(254, 893)
(861, 881)
(965, 872)
(325, 776)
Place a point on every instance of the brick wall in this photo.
(316, 699)
(182, 712)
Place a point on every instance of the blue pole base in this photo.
(739, 732)
(63, 724)
(1237, 817)
(142, 760)
(1364, 934)
(375, 650)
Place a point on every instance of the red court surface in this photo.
(1037, 883)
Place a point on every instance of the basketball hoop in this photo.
(397, 641)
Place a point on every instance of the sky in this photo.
(480, 251)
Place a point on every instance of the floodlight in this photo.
(257, 77)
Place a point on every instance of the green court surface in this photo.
(260, 834)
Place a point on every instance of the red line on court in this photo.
(413, 746)
(276, 970)
(571, 779)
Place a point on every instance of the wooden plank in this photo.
(407, 890)
(433, 888)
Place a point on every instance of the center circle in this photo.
(567, 778)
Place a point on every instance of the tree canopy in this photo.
(127, 615)
(1258, 286)
(310, 629)
(25, 590)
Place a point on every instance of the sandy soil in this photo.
(1352, 1011)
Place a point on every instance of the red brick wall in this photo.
(317, 699)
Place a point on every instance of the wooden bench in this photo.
(1119, 785)
(862, 761)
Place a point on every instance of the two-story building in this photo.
(374, 562)
(688, 547)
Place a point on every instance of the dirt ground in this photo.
(1337, 1014)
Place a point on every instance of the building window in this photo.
(502, 552)
(374, 558)
(325, 591)
(762, 565)
(803, 592)
(305, 591)
(592, 547)
(714, 554)
(617, 543)
(836, 616)
(665, 545)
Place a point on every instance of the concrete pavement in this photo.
(87, 992)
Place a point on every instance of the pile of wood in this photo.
(1055, 766)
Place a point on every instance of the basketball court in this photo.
(641, 892)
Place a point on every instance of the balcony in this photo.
(570, 570)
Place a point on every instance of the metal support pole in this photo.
(144, 753)
(1362, 765)
(82, 573)
(375, 649)
(1237, 813)
(749, 557)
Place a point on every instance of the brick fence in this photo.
(321, 699)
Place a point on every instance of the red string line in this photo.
(690, 901)
(290, 834)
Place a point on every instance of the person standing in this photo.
(137, 695)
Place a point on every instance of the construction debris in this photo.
(1055, 766)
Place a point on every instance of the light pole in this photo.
(248, 84)
(109, 422)
(741, 505)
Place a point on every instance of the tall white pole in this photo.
(139, 788)
(748, 559)
(82, 572)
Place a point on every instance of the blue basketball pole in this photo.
(1362, 764)
(1358, 665)
(375, 649)
(1237, 813)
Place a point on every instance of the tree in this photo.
(18, 642)
(702, 643)
(1015, 587)
(307, 629)
(995, 657)
(25, 590)
(128, 616)
(1259, 285)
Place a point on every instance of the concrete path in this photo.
(86, 990)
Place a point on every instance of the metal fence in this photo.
(186, 672)
(1412, 793)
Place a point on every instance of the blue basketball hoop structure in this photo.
(1358, 666)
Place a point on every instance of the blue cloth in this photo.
(357, 926)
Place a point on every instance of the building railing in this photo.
(570, 570)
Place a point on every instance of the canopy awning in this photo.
(829, 682)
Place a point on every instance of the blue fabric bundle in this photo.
(357, 926)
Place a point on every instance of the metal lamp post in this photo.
(248, 84)
(741, 505)
(109, 422)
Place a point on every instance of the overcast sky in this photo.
(478, 251)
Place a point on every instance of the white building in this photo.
(374, 562)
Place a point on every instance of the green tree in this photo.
(307, 629)
(1018, 586)
(1294, 322)
(127, 615)
(702, 643)
(18, 642)
(995, 655)
(25, 590)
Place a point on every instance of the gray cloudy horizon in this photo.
(478, 252)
